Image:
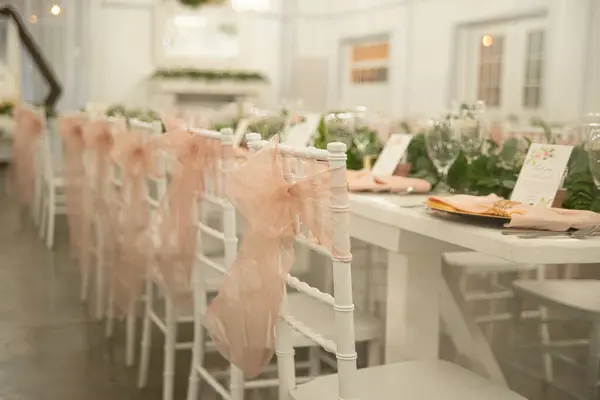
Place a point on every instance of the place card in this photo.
(392, 154)
(240, 130)
(300, 135)
(542, 174)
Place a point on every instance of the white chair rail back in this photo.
(213, 196)
(344, 345)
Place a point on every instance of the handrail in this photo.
(42, 64)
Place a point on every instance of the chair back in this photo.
(213, 196)
(294, 161)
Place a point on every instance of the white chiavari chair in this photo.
(421, 379)
(571, 301)
(174, 313)
(305, 302)
(51, 186)
(155, 191)
(208, 273)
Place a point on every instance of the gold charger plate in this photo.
(444, 208)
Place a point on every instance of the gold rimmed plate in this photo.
(467, 216)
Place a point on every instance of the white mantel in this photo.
(182, 91)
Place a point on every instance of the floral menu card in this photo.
(542, 174)
(392, 154)
(301, 134)
(240, 131)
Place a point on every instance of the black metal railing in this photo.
(40, 61)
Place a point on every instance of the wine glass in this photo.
(470, 132)
(443, 148)
(594, 155)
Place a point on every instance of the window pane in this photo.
(490, 70)
(534, 69)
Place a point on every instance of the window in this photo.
(490, 70)
(534, 71)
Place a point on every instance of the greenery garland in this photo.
(199, 3)
(359, 138)
(210, 75)
(144, 115)
(494, 170)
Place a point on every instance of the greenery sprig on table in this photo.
(210, 75)
(6, 107)
(359, 138)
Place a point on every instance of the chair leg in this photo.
(236, 384)
(85, 282)
(146, 336)
(374, 353)
(493, 281)
(314, 361)
(43, 218)
(516, 311)
(130, 336)
(197, 357)
(110, 312)
(51, 219)
(100, 284)
(593, 367)
(540, 274)
(170, 341)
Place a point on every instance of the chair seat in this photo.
(321, 318)
(473, 262)
(410, 380)
(580, 296)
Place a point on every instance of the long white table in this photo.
(415, 241)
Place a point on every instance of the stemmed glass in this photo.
(594, 155)
(443, 147)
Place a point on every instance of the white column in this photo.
(591, 102)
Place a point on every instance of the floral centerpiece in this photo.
(496, 167)
(352, 129)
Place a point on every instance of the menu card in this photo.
(392, 154)
(300, 135)
(240, 131)
(542, 174)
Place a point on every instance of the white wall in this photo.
(423, 46)
(122, 44)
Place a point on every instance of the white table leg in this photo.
(467, 336)
(412, 316)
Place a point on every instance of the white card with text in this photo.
(392, 154)
(240, 130)
(542, 174)
(300, 135)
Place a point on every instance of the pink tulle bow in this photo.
(193, 156)
(99, 143)
(241, 319)
(29, 127)
(136, 156)
(71, 132)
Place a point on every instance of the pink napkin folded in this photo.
(364, 181)
(521, 215)
(554, 219)
(472, 204)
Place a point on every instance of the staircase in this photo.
(40, 62)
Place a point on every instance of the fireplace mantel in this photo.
(181, 91)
